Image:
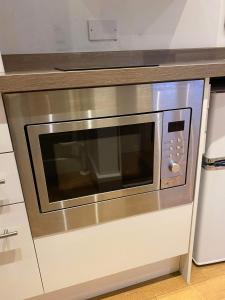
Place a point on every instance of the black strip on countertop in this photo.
(86, 68)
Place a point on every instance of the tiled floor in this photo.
(208, 283)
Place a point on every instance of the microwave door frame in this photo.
(34, 131)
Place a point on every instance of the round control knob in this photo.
(174, 167)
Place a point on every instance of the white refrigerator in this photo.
(209, 246)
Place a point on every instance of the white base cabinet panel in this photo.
(94, 252)
(19, 273)
(10, 187)
(114, 282)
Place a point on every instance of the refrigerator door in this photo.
(209, 244)
(215, 142)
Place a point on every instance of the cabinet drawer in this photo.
(5, 140)
(19, 272)
(10, 188)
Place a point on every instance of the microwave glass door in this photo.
(81, 162)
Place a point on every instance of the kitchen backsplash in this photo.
(30, 26)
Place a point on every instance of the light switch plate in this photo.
(101, 30)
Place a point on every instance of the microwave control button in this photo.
(179, 140)
(171, 141)
(178, 147)
(171, 148)
(174, 167)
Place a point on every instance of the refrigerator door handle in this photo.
(216, 165)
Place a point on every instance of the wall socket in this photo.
(102, 30)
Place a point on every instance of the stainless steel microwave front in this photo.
(82, 162)
(146, 137)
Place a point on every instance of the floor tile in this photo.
(197, 275)
(202, 273)
(161, 287)
(212, 289)
(187, 293)
(130, 296)
(214, 270)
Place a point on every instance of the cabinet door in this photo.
(5, 140)
(10, 188)
(19, 273)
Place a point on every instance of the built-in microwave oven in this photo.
(83, 162)
(88, 156)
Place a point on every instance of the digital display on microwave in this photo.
(176, 126)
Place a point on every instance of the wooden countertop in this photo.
(36, 71)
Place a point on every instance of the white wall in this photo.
(29, 26)
(201, 24)
(221, 25)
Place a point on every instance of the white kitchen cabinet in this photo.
(5, 140)
(10, 187)
(94, 252)
(19, 274)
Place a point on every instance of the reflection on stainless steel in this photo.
(33, 116)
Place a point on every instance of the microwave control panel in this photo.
(175, 142)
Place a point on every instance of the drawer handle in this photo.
(8, 234)
(2, 181)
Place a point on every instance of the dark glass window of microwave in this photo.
(87, 162)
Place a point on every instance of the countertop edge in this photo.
(107, 77)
